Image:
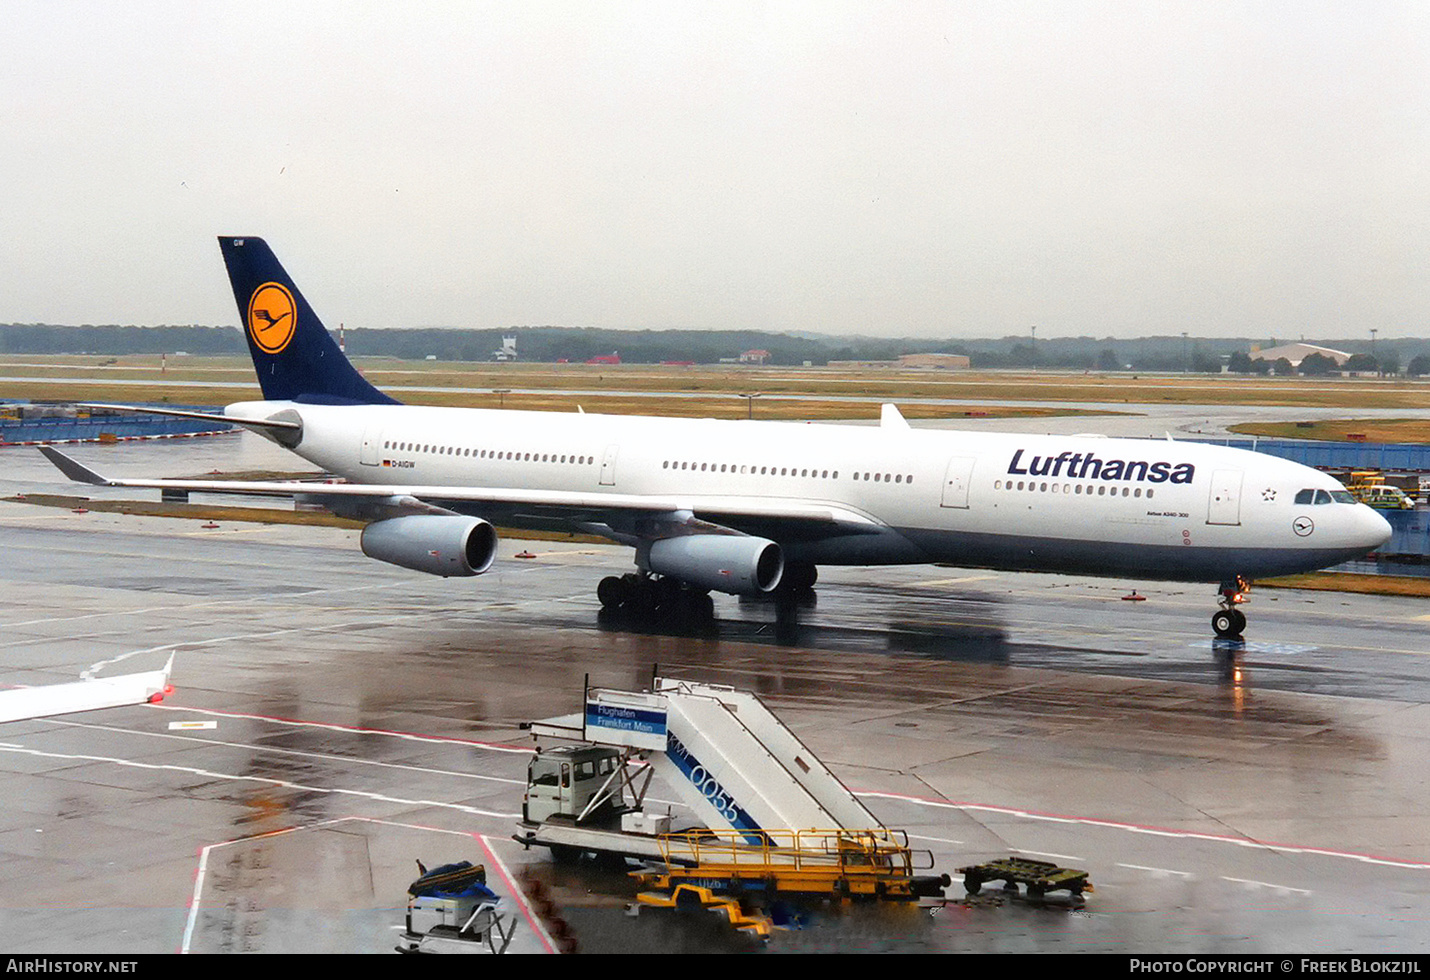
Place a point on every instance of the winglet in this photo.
(891, 418)
(76, 471)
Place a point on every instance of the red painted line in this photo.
(516, 894)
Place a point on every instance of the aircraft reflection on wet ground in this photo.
(792, 622)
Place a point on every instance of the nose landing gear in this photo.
(1229, 621)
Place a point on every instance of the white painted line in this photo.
(1278, 889)
(345, 760)
(201, 873)
(405, 736)
(1047, 854)
(265, 780)
(1158, 872)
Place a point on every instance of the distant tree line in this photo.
(576, 344)
(1316, 365)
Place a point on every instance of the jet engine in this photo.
(438, 544)
(723, 562)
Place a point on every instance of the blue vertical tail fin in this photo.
(293, 355)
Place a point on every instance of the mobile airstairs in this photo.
(764, 806)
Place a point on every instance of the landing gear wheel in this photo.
(1228, 623)
(611, 592)
(799, 576)
(640, 595)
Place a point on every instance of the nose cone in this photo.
(1373, 530)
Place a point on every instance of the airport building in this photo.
(919, 362)
(1296, 353)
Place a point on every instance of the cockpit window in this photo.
(1322, 497)
(1305, 496)
(1343, 497)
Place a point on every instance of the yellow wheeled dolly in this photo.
(733, 870)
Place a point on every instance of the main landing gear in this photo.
(1229, 622)
(642, 595)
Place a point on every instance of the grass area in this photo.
(730, 405)
(1341, 430)
(1349, 582)
(552, 379)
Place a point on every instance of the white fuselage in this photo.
(1124, 507)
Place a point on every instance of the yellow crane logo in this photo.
(272, 317)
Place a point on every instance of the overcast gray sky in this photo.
(909, 168)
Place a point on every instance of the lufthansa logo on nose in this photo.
(1303, 526)
(272, 317)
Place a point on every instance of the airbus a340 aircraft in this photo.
(754, 507)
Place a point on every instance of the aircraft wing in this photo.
(815, 519)
(17, 704)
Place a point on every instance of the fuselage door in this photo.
(371, 454)
(956, 480)
(608, 466)
(1224, 504)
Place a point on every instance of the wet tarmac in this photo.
(337, 719)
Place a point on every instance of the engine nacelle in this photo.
(438, 544)
(723, 562)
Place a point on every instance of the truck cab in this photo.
(561, 782)
(1383, 497)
